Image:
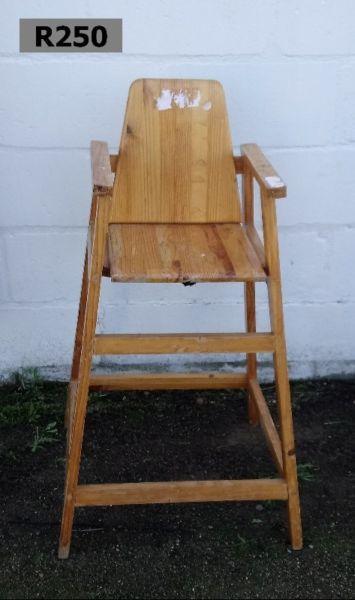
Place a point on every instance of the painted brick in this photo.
(45, 188)
(173, 318)
(317, 27)
(320, 332)
(267, 100)
(341, 250)
(45, 267)
(206, 293)
(180, 28)
(36, 336)
(4, 283)
(282, 104)
(346, 105)
(76, 107)
(305, 266)
(320, 185)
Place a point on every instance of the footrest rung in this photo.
(180, 491)
(168, 381)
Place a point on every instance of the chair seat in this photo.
(163, 253)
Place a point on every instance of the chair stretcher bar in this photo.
(168, 381)
(179, 343)
(267, 424)
(180, 491)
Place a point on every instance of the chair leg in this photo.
(82, 363)
(250, 322)
(285, 415)
(75, 438)
(77, 346)
(77, 421)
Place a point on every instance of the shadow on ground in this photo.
(221, 550)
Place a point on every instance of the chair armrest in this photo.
(102, 176)
(263, 171)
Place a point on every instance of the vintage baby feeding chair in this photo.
(167, 209)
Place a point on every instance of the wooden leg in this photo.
(285, 414)
(280, 364)
(77, 344)
(76, 430)
(250, 322)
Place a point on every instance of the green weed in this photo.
(27, 379)
(44, 435)
(306, 472)
(27, 399)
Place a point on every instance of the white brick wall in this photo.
(289, 74)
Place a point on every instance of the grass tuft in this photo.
(305, 472)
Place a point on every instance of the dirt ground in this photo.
(222, 550)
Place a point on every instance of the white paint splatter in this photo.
(181, 99)
(164, 100)
(274, 181)
(193, 102)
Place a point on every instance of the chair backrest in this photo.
(175, 161)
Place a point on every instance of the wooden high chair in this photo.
(167, 209)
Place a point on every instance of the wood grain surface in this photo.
(176, 161)
(182, 253)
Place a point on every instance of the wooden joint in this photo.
(238, 164)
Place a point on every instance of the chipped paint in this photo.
(164, 100)
(181, 98)
(274, 181)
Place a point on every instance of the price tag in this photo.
(70, 35)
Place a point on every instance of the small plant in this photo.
(306, 472)
(27, 379)
(25, 403)
(44, 435)
(20, 413)
(23, 411)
